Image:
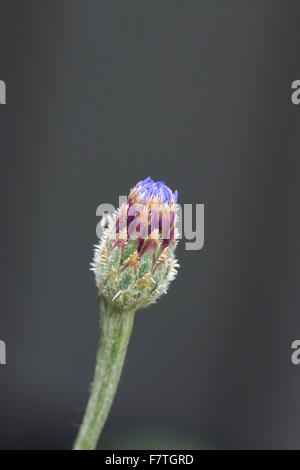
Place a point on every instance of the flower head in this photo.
(134, 262)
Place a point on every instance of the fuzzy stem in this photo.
(116, 329)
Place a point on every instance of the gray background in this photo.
(101, 94)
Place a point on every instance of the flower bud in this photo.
(134, 261)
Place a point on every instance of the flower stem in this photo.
(116, 327)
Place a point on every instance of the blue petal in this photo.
(149, 189)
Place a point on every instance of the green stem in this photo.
(116, 329)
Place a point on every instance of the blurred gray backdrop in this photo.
(101, 94)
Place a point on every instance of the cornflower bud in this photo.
(134, 262)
